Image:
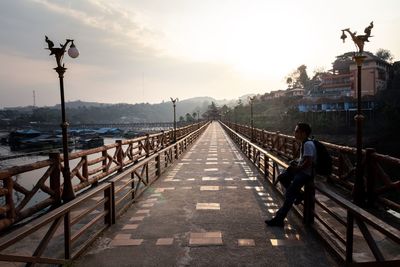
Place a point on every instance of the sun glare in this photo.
(255, 42)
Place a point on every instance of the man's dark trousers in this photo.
(293, 184)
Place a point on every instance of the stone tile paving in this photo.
(210, 217)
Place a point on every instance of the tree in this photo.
(299, 77)
(212, 112)
(289, 82)
(189, 117)
(303, 79)
(224, 111)
(384, 54)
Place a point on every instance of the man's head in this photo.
(302, 131)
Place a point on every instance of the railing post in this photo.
(85, 167)
(309, 203)
(349, 237)
(370, 175)
(168, 138)
(133, 195)
(262, 138)
(85, 171)
(109, 205)
(104, 161)
(176, 148)
(67, 235)
(146, 166)
(158, 165)
(55, 183)
(274, 167)
(266, 166)
(119, 155)
(9, 185)
(275, 143)
(147, 145)
(341, 168)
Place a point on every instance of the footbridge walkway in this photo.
(207, 209)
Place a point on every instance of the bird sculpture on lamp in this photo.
(359, 40)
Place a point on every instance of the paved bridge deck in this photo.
(209, 209)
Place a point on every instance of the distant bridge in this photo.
(134, 125)
(124, 126)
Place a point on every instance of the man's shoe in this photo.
(299, 199)
(275, 222)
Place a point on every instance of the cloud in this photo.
(146, 51)
(121, 57)
(105, 16)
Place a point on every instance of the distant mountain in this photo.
(81, 104)
(93, 112)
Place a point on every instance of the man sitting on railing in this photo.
(297, 174)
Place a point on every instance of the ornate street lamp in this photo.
(198, 119)
(174, 104)
(235, 120)
(359, 40)
(68, 191)
(251, 100)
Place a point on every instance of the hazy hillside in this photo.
(92, 112)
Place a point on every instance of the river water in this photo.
(29, 179)
(33, 156)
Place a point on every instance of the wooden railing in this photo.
(87, 216)
(60, 242)
(88, 167)
(380, 186)
(334, 222)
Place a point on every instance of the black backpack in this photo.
(324, 160)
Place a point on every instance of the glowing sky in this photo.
(148, 50)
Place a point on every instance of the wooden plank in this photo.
(8, 172)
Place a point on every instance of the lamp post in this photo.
(198, 119)
(174, 104)
(235, 117)
(359, 40)
(68, 191)
(251, 100)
